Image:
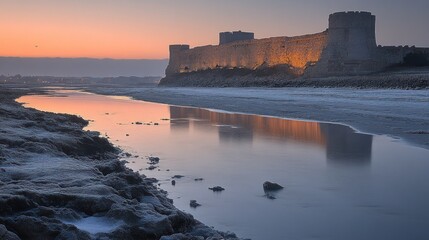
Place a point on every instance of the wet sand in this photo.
(400, 114)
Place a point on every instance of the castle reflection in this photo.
(342, 144)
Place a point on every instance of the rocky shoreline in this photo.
(54, 174)
(414, 78)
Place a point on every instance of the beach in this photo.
(401, 114)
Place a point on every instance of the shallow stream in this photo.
(338, 184)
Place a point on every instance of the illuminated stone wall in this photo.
(251, 54)
(348, 47)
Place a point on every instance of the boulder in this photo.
(217, 189)
(194, 204)
(269, 186)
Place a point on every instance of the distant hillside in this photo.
(82, 67)
(79, 81)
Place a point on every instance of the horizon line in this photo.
(89, 58)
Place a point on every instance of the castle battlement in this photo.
(350, 13)
(347, 47)
(352, 20)
(228, 37)
(179, 47)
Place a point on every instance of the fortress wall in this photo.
(348, 47)
(394, 55)
(251, 54)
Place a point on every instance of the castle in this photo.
(347, 47)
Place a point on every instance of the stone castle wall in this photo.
(297, 52)
(348, 47)
(391, 55)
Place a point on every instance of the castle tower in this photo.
(228, 37)
(351, 48)
(352, 36)
(175, 53)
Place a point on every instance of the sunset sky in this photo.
(136, 29)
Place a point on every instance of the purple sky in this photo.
(145, 28)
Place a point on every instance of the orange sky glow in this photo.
(136, 29)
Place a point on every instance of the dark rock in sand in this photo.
(173, 182)
(198, 179)
(269, 186)
(217, 189)
(139, 123)
(178, 176)
(151, 167)
(153, 160)
(194, 204)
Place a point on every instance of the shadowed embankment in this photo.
(283, 76)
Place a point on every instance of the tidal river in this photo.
(338, 184)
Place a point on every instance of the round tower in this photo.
(352, 34)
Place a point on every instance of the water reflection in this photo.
(240, 152)
(237, 134)
(341, 143)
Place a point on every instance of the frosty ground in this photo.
(60, 182)
(397, 113)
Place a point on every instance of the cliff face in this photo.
(296, 52)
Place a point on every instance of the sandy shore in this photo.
(397, 113)
(55, 176)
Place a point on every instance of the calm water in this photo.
(339, 184)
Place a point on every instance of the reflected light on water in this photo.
(339, 184)
(340, 142)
